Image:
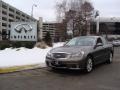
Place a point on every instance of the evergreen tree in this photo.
(48, 39)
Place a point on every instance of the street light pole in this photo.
(34, 5)
(97, 16)
(98, 25)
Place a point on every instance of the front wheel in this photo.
(89, 65)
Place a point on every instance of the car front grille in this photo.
(59, 55)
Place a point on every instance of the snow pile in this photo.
(58, 44)
(22, 56)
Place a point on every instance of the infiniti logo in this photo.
(23, 27)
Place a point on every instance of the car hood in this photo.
(72, 49)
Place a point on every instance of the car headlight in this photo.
(78, 55)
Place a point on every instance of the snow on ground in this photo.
(23, 56)
(58, 44)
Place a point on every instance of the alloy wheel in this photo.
(89, 65)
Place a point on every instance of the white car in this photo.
(116, 43)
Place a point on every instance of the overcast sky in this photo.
(46, 8)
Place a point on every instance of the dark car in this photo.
(81, 53)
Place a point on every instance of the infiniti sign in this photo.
(23, 27)
(23, 31)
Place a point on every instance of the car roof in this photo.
(91, 36)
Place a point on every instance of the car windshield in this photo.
(81, 41)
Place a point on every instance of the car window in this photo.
(85, 42)
(81, 41)
(71, 42)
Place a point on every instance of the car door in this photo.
(99, 51)
(106, 49)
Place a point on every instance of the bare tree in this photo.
(61, 9)
(77, 15)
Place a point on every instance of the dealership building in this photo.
(10, 14)
(106, 25)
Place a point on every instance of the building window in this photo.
(23, 19)
(9, 25)
(18, 36)
(4, 24)
(24, 37)
(17, 12)
(10, 20)
(28, 18)
(11, 15)
(4, 12)
(17, 17)
(4, 6)
(23, 15)
(4, 18)
(12, 10)
(15, 37)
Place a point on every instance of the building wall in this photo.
(112, 28)
(0, 21)
(40, 28)
(49, 27)
(10, 14)
(55, 30)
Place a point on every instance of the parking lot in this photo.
(103, 77)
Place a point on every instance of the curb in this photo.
(20, 68)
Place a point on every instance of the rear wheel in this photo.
(89, 65)
(110, 60)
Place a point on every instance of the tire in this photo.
(110, 60)
(89, 65)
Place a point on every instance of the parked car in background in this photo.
(82, 52)
(116, 42)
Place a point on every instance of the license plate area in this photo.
(55, 63)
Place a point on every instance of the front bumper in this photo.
(68, 64)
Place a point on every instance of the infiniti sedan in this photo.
(81, 53)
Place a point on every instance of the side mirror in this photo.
(98, 45)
